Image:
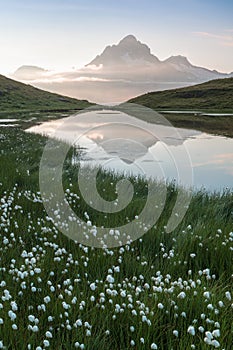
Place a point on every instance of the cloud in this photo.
(223, 39)
(47, 80)
(224, 161)
(228, 43)
(54, 79)
(89, 79)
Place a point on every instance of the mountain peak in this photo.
(178, 60)
(128, 39)
(129, 51)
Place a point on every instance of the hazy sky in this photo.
(61, 34)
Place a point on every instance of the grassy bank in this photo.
(215, 97)
(163, 291)
(16, 97)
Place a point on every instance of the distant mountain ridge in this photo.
(120, 72)
(130, 53)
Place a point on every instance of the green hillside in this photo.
(215, 95)
(16, 96)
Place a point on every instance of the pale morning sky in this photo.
(61, 34)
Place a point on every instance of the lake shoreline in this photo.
(120, 141)
(216, 125)
(196, 120)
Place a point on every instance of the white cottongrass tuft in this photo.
(191, 330)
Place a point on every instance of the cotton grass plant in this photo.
(163, 291)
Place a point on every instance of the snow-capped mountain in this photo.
(129, 51)
(182, 64)
(120, 72)
(134, 59)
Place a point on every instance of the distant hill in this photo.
(206, 107)
(15, 96)
(216, 95)
(29, 72)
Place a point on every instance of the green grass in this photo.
(17, 97)
(151, 271)
(215, 96)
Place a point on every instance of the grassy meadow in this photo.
(167, 291)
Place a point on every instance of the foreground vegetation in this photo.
(163, 291)
(214, 97)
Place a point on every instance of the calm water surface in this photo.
(118, 141)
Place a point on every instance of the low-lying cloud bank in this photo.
(119, 73)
